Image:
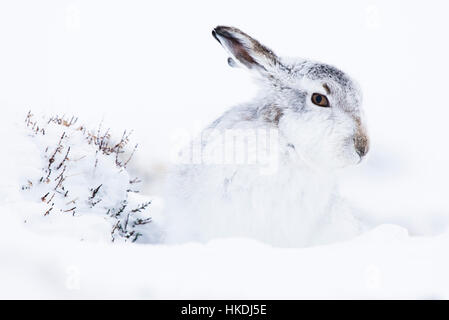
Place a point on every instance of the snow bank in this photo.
(384, 263)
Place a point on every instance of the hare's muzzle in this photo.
(361, 144)
(361, 140)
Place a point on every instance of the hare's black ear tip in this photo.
(214, 34)
(221, 31)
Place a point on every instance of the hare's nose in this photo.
(361, 144)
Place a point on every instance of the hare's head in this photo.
(318, 107)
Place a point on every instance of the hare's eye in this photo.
(320, 100)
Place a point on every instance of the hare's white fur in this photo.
(296, 202)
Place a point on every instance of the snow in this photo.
(75, 58)
(385, 263)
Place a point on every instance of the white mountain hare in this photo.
(264, 169)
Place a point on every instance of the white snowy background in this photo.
(155, 68)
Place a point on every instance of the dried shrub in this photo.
(84, 171)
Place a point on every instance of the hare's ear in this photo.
(245, 50)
